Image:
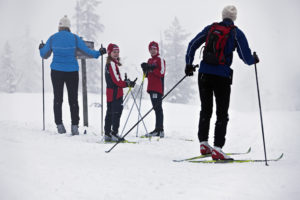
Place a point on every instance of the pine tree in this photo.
(174, 54)
(9, 75)
(30, 70)
(88, 26)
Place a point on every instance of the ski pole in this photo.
(43, 80)
(128, 89)
(101, 92)
(129, 113)
(147, 113)
(139, 108)
(261, 118)
(139, 113)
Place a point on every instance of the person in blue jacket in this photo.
(64, 70)
(214, 79)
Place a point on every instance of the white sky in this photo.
(133, 23)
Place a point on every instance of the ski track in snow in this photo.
(36, 164)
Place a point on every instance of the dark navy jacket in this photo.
(64, 44)
(237, 40)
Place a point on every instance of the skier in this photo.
(155, 70)
(215, 76)
(64, 70)
(114, 94)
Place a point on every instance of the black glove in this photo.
(41, 45)
(147, 68)
(256, 59)
(102, 51)
(130, 83)
(189, 70)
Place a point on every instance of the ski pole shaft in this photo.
(129, 112)
(43, 83)
(142, 86)
(260, 111)
(101, 92)
(145, 115)
(127, 93)
(139, 112)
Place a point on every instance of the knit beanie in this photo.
(153, 45)
(64, 22)
(229, 12)
(112, 47)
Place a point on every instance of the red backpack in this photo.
(215, 43)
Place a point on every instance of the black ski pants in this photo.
(156, 100)
(71, 79)
(219, 87)
(113, 115)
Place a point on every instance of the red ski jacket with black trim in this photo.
(156, 77)
(114, 82)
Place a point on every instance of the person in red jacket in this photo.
(155, 70)
(114, 93)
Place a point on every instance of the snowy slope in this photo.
(36, 164)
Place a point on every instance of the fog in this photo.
(271, 28)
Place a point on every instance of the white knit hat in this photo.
(229, 12)
(64, 22)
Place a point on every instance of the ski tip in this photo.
(280, 157)
(249, 150)
(107, 151)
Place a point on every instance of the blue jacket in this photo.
(64, 44)
(237, 40)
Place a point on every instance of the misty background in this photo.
(271, 28)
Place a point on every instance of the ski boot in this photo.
(115, 137)
(61, 129)
(205, 148)
(218, 154)
(156, 133)
(107, 137)
(74, 130)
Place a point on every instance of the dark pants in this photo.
(113, 115)
(209, 86)
(71, 79)
(156, 100)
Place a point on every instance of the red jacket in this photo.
(156, 77)
(114, 82)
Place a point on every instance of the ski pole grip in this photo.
(254, 53)
(194, 67)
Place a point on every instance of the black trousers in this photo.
(71, 79)
(219, 87)
(113, 115)
(156, 100)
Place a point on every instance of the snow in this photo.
(36, 164)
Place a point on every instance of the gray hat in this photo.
(229, 12)
(64, 22)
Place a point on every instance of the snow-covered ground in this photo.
(36, 164)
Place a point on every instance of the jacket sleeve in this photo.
(81, 46)
(243, 49)
(195, 44)
(46, 51)
(160, 70)
(115, 77)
